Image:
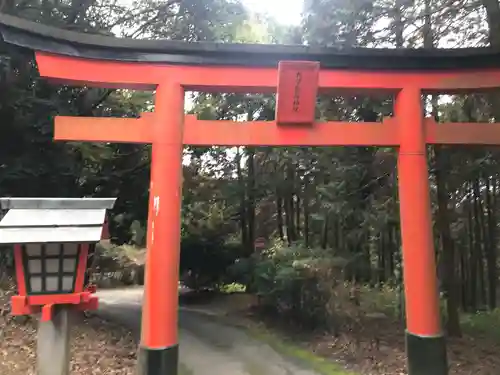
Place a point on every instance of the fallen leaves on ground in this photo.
(371, 344)
(377, 347)
(97, 347)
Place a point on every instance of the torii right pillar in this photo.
(425, 343)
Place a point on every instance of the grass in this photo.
(184, 370)
(288, 349)
(484, 323)
(233, 288)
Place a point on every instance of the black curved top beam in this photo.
(35, 36)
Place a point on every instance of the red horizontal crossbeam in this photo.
(267, 133)
(102, 129)
(229, 133)
(462, 133)
(132, 75)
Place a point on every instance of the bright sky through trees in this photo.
(284, 11)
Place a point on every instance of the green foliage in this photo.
(233, 288)
(205, 258)
(297, 281)
(384, 299)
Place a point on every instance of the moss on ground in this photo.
(184, 370)
(290, 350)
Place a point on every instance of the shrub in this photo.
(205, 259)
(111, 265)
(299, 283)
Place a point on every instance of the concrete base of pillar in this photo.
(426, 355)
(53, 345)
(158, 361)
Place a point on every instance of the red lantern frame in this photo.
(82, 299)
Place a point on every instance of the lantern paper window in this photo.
(50, 268)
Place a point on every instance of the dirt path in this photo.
(207, 347)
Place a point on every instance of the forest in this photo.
(326, 219)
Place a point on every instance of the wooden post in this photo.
(159, 341)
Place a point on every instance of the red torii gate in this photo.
(172, 67)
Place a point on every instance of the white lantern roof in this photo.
(53, 220)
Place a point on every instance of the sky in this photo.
(284, 11)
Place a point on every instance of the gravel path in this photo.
(207, 347)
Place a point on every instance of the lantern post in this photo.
(51, 239)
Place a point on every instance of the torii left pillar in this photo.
(159, 351)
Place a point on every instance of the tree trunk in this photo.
(492, 8)
(297, 215)
(279, 213)
(448, 246)
(243, 211)
(289, 205)
(389, 250)
(491, 252)
(478, 224)
(493, 15)
(324, 234)
(251, 199)
(381, 258)
(464, 280)
(441, 164)
(305, 204)
(474, 240)
(399, 25)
